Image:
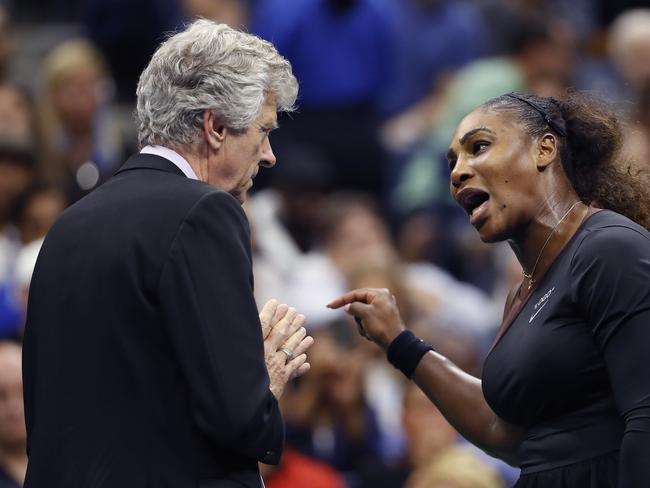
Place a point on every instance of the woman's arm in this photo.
(459, 397)
(457, 394)
(611, 283)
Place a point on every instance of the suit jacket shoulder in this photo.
(143, 356)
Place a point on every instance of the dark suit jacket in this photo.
(144, 359)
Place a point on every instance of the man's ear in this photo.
(546, 152)
(214, 131)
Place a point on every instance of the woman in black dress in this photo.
(566, 387)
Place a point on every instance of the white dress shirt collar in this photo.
(172, 156)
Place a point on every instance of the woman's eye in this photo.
(480, 146)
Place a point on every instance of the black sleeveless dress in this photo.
(573, 367)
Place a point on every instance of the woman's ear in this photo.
(213, 131)
(547, 151)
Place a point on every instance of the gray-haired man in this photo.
(145, 364)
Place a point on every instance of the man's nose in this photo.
(268, 158)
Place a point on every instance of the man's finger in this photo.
(294, 340)
(268, 310)
(283, 329)
(295, 364)
(280, 312)
(302, 369)
(305, 344)
(292, 332)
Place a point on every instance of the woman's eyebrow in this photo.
(472, 132)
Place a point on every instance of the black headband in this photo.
(547, 118)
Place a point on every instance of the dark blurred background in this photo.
(359, 196)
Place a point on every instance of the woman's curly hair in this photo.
(591, 139)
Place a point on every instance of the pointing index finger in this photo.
(363, 295)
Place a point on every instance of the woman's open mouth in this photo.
(475, 203)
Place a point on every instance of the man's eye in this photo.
(480, 146)
(452, 164)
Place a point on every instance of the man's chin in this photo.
(240, 196)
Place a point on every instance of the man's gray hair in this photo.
(209, 66)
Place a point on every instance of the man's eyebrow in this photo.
(472, 132)
(271, 126)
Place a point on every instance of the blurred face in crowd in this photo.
(12, 415)
(427, 432)
(634, 61)
(14, 178)
(16, 117)
(77, 96)
(337, 372)
(39, 214)
(493, 173)
(553, 57)
(231, 12)
(5, 40)
(240, 154)
(358, 235)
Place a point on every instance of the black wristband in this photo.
(405, 352)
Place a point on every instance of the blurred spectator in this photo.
(539, 47)
(629, 48)
(36, 209)
(126, 36)
(358, 62)
(356, 236)
(83, 143)
(433, 39)
(23, 270)
(355, 241)
(430, 439)
(298, 188)
(455, 468)
(327, 415)
(17, 170)
(358, 251)
(636, 147)
(341, 52)
(337, 48)
(298, 471)
(608, 10)
(13, 439)
(17, 117)
(232, 12)
(284, 217)
(428, 433)
(6, 44)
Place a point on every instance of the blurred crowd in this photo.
(359, 196)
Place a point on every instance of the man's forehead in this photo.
(269, 114)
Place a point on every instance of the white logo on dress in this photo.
(541, 304)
